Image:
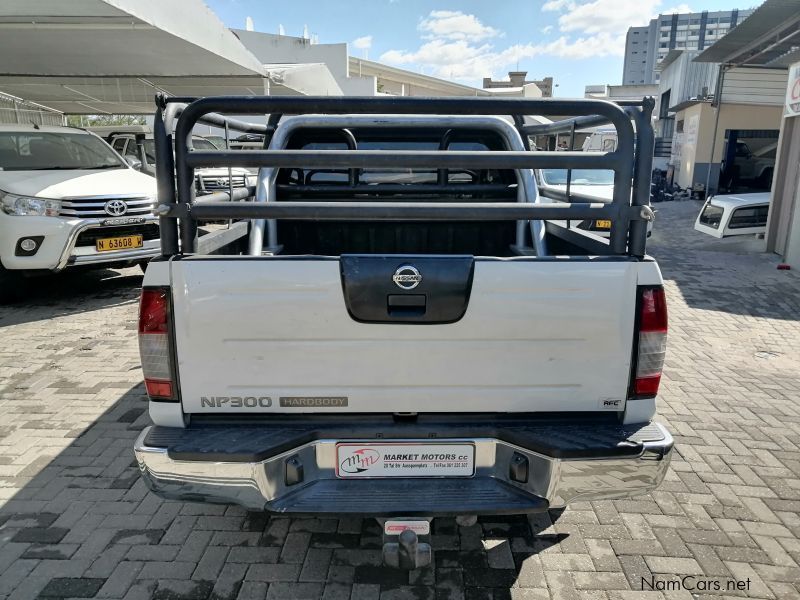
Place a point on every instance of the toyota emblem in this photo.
(407, 277)
(116, 208)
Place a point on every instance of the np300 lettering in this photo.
(236, 401)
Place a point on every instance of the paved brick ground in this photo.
(77, 522)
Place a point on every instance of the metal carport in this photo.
(111, 56)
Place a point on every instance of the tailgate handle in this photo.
(406, 305)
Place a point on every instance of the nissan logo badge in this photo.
(407, 277)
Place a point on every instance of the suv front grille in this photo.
(88, 237)
(218, 183)
(95, 207)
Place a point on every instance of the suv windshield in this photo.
(44, 151)
(199, 143)
(579, 177)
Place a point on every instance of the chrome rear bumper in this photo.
(553, 481)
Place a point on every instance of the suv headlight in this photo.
(251, 180)
(28, 206)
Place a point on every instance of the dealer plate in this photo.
(125, 242)
(404, 459)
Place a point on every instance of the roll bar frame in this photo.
(631, 162)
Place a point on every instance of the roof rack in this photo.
(631, 162)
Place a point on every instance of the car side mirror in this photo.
(134, 163)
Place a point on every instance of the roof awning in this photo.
(668, 59)
(769, 37)
(108, 38)
(112, 56)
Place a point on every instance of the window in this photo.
(131, 150)
(119, 144)
(751, 216)
(711, 215)
(45, 151)
(199, 143)
(397, 176)
(580, 176)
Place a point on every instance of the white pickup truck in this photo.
(408, 334)
(67, 199)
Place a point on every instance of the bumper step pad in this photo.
(409, 497)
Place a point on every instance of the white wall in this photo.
(277, 49)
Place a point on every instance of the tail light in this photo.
(652, 342)
(154, 344)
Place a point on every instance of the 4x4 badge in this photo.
(407, 277)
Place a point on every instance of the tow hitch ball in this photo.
(406, 551)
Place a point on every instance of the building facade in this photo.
(646, 46)
(517, 79)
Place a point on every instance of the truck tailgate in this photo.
(274, 334)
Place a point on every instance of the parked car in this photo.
(734, 214)
(207, 180)
(597, 184)
(756, 166)
(68, 199)
(402, 344)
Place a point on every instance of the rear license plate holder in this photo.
(404, 459)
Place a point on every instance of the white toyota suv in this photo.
(66, 198)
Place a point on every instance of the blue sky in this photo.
(578, 42)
